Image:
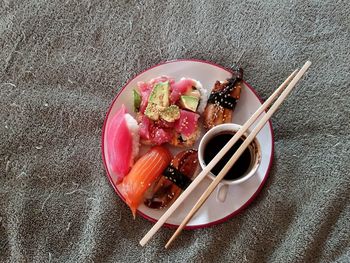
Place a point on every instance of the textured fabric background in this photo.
(62, 63)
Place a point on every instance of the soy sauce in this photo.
(215, 145)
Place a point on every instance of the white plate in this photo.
(239, 196)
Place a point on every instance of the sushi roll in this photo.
(196, 90)
(123, 138)
(168, 111)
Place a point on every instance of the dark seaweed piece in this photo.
(174, 175)
(223, 97)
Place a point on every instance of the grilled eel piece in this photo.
(176, 178)
(223, 99)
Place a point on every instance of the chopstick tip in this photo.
(142, 243)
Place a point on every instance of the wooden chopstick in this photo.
(213, 162)
(240, 150)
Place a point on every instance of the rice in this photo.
(134, 131)
(204, 96)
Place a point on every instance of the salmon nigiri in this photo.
(144, 172)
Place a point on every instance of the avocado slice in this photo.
(160, 94)
(152, 111)
(189, 102)
(158, 100)
(193, 92)
(170, 114)
(137, 100)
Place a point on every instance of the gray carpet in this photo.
(61, 64)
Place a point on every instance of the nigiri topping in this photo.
(145, 171)
(122, 138)
(176, 176)
(187, 123)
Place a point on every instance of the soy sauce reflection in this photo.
(215, 144)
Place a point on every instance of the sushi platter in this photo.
(152, 131)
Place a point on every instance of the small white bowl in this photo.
(254, 148)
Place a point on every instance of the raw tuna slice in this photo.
(146, 126)
(145, 90)
(161, 136)
(187, 124)
(165, 124)
(122, 140)
(180, 88)
(162, 79)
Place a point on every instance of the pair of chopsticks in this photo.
(282, 92)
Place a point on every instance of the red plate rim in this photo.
(245, 205)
